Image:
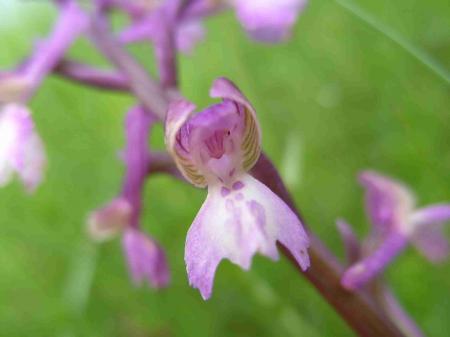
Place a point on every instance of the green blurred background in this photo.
(337, 98)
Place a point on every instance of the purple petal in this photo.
(427, 234)
(251, 146)
(108, 220)
(431, 214)
(235, 224)
(188, 35)
(268, 20)
(177, 140)
(146, 259)
(351, 243)
(431, 242)
(365, 270)
(34, 163)
(389, 203)
(21, 149)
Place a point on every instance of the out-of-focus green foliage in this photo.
(338, 98)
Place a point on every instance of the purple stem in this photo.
(148, 91)
(138, 123)
(351, 243)
(165, 46)
(369, 267)
(71, 23)
(165, 50)
(99, 78)
(162, 162)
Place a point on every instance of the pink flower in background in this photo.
(152, 22)
(268, 20)
(107, 221)
(240, 216)
(396, 222)
(21, 148)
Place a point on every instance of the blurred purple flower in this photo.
(152, 22)
(146, 260)
(396, 222)
(105, 222)
(240, 216)
(264, 20)
(268, 20)
(354, 251)
(21, 148)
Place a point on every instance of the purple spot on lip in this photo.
(239, 196)
(224, 191)
(237, 185)
(259, 214)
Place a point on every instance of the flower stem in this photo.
(88, 75)
(147, 90)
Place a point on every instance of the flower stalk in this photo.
(325, 272)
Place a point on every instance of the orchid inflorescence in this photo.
(247, 209)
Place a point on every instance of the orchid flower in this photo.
(354, 251)
(146, 259)
(268, 20)
(397, 222)
(21, 148)
(240, 216)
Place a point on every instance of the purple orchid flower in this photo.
(268, 20)
(146, 259)
(396, 221)
(21, 148)
(384, 296)
(240, 216)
